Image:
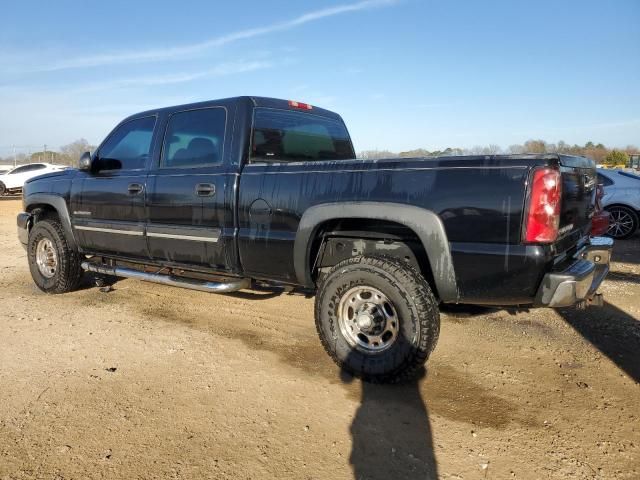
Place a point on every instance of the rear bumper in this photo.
(580, 281)
(24, 223)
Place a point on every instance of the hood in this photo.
(68, 172)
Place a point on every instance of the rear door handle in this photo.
(135, 188)
(205, 189)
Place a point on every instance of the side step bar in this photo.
(193, 284)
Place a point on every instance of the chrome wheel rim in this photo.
(620, 224)
(368, 319)
(46, 258)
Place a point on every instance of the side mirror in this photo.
(85, 161)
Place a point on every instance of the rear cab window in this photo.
(288, 136)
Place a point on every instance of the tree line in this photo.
(598, 152)
(70, 153)
(67, 155)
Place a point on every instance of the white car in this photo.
(13, 180)
(622, 200)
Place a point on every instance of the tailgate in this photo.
(578, 199)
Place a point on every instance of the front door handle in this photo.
(205, 189)
(135, 188)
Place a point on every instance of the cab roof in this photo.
(246, 101)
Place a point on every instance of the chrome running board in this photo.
(191, 283)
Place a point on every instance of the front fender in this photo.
(57, 202)
(425, 223)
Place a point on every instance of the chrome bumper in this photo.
(579, 282)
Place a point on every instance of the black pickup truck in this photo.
(222, 195)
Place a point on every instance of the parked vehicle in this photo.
(12, 181)
(622, 200)
(601, 218)
(215, 196)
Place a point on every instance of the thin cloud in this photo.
(154, 55)
(158, 80)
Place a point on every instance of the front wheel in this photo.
(377, 318)
(54, 265)
(3, 189)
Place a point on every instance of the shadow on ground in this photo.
(391, 433)
(615, 333)
(627, 251)
(612, 331)
(623, 277)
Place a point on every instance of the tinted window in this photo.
(194, 138)
(295, 136)
(20, 170)
(37, 167)
(128, 147)
(604, 180)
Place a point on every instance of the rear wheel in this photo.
(377, 318)
(54, 265)
(623, 221)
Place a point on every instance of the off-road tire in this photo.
(68, 271)
(413, 300)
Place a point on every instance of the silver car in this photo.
(622, 200)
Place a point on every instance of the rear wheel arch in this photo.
(424, 224)
(624, 205)
(339, 239)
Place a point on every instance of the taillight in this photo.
(543, 217)
(300, 105)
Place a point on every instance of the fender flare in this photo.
(60, 205)
(425, 223)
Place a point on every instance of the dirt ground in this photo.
(148, 381)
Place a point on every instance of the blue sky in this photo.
(403, 73)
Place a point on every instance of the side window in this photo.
(604, 180)
(19, 170)
(38, 167)
(128, 147)
(194, 138)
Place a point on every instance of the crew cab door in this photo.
(190, 202)
(108, 203)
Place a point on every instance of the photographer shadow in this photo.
(391, 433)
